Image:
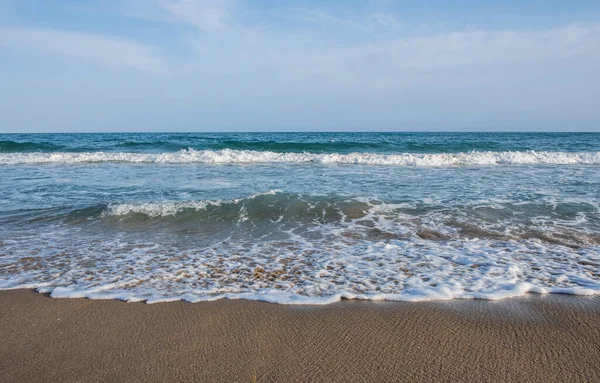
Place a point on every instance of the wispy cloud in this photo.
(236, 64)
(205, 15)
(100, 49)
(323, 37)
(476, 47)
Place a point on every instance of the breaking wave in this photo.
(369, 218)
(229, 156)
(154, 210)
(306, 249)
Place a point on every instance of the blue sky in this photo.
(221, 65)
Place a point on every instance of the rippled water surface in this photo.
(302, 217)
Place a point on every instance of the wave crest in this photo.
(155, 210)
(231, 156)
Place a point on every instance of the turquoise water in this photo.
(300, 217)
(300, 142)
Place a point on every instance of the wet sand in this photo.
(535, 338)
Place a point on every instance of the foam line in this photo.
(229, 156)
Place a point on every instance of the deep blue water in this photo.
(299, 142)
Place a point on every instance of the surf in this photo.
(231, 156)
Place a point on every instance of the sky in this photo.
(299, 65)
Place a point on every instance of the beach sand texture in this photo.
(535, 338)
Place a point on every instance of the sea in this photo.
(300, 218)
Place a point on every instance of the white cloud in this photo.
(235, 67)
(205, 15)
(480, 47)
(384, 43)
(100, 49)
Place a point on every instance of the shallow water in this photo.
(300, 218)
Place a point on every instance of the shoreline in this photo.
(533, 338)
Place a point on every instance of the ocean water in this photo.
(300, 218)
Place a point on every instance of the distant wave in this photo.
(178, 143)
(334, 146)
(8, 146)
(143, 145)
(229, 156)
(290, 146)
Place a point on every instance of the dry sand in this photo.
(537, 338)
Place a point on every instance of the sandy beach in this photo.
(535, 338)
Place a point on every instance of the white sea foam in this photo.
(399, 272)
(172, 208)
(341, 262)
(249, 156)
